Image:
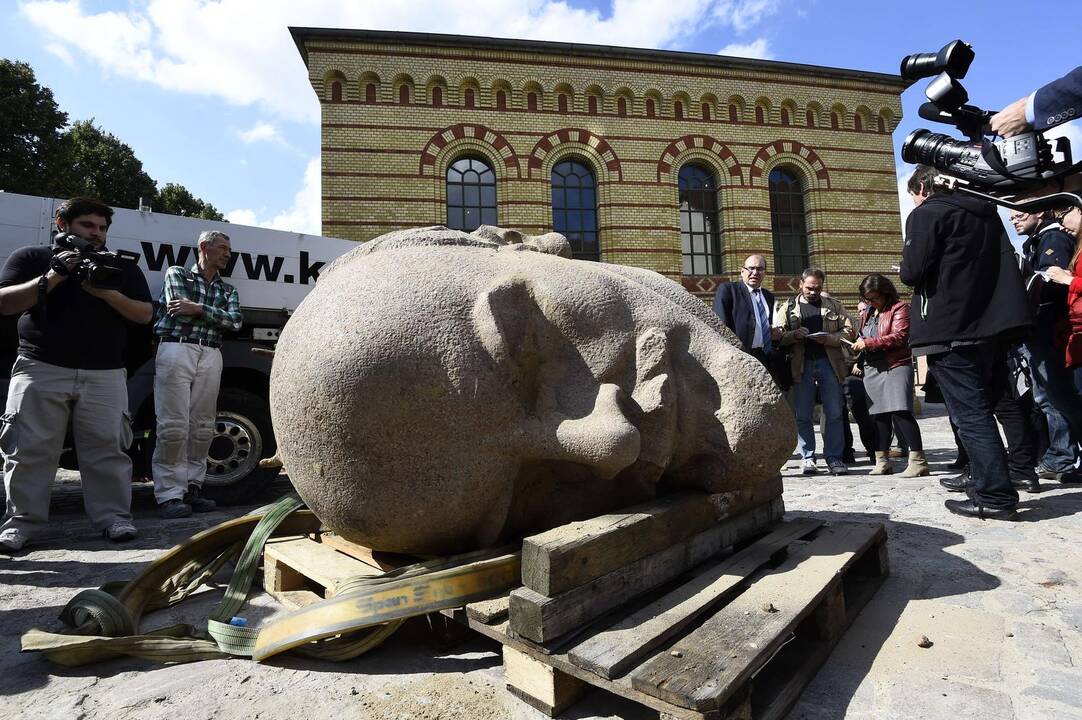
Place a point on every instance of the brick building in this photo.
(683, 163)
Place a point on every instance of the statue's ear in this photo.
(507, 317)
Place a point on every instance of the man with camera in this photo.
(1048, 246)
(76, 300)
(195, 307)
(969, 304)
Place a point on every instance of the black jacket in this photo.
(963, 272)
(732, 303)
(1049, 247)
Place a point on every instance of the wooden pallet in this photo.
(738, 640)
(301, 570)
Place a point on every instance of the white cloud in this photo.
(62, 52)
(241, 50)
(758, 48)
(261, 132)
(743, 15)
(303, 216)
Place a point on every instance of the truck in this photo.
(272, 270)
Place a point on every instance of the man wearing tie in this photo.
(748, 309)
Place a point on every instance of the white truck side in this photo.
(272, 271)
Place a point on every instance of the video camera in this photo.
(101, 268)
(1011, 166)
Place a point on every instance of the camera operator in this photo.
(1057, 102)
(70, 367)
(969, 302)
(1048, 246)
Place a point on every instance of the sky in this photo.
(212, 94)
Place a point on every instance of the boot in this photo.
(918, 465)
(883, 465)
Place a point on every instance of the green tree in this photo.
(103, 167)
(177, 200)
(32, 146)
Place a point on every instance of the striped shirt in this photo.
(221, 306)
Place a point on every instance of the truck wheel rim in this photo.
(235, 449)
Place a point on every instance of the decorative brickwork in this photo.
(399, 108)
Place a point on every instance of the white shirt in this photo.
(758, 301)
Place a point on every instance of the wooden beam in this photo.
(541, 618)
(611, 652)
(541, 686)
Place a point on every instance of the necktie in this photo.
(763, 316)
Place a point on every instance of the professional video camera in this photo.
(1015, 166)
(101, 268)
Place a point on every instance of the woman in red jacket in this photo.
(1072, 222)
(888, 373)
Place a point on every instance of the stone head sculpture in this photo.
(439, 391)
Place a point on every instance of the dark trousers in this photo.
(857, 400)
(973, 379)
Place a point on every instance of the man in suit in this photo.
(1057, 102)
(747, 308)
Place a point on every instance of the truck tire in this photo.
(242, 437)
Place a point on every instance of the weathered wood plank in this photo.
(377, 559)
(316, 562)
(540, 618)
(708, 665)
(489, 611)
(574, 554)
(538, 684)
(611, 652)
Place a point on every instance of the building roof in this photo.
(301, 35)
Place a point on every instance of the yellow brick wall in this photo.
(384, 163)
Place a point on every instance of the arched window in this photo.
(834, 121)
(759, 114)
(621, 107)
(809, 118)
(784, 116)
(404, 95)
(700, 237)
(650, 110)
(336, 92)
(734, 114)
(437, 96)
(858, 123)
(574, 208)
(882, 124)
(531, 101)
(788, 223)
(678, 110)
(370, 93)
(501, 100)
(706, 111)
(561, 102)
(471, 194)
(469, 98)
(591, 104)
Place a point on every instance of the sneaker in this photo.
(1070, 477)
(837, 467)
(120, 531)
(1044, 473)
(198, 502)
(13, 539)
(174, 509)
(807, 466)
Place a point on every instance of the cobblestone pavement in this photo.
(999, 601)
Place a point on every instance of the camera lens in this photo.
(940, 151)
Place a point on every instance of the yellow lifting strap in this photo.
(367, 610)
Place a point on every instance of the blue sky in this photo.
(212, 93)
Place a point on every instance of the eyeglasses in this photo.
(755, 269)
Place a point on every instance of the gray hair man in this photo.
(195, 307)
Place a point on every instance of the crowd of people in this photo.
(70, 369)
(1001, 332)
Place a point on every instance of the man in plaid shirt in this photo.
(195, 306)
